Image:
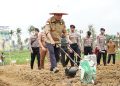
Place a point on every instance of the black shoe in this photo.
(51, 69)
(98, 64)
(39, 68)
(64, 65)
(105, 64)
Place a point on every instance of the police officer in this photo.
(87, 42)
(74, 41)
(54, 28)
(101, 43)
(34, 48)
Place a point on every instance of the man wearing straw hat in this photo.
(54, 28)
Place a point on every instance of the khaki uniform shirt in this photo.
(111, 48)
(74, 38)
(101, 42)
(88, 42)
(55, 28)
(34, 41)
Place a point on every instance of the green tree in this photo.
(68, 30)
(26, 40)
(12, 41)
(19, 42)
(110, 37)
(31, 28)
(93, 33)
(11, 33)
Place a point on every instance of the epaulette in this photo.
(62, 22)
(48, 22)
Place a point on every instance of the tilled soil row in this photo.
(22, 75)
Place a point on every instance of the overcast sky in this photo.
(23, 13)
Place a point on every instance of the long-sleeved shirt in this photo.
(111, 48)
(101, 42)
(87, 42)
(55, 28)
(34, 41)
(74, 38)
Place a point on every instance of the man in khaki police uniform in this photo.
(74, 41)
(54, 28)
(101, 43)
(34, 48)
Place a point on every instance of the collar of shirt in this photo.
(53, 20)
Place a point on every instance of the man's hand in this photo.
(70, 42)
(31, 50)
(71, 51)
(53, 42)
(43, 48)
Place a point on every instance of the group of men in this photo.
(54, 36)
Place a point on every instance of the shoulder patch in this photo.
(62, 22)
(47, 23)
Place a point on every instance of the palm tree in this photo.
(31, 28)
(92, 30)
(12, 41)
(11, 33)
(26, 40)
(18, 33)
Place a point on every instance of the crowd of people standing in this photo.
(54, 35)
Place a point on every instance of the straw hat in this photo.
(58, 11)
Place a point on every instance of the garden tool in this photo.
(71, 71)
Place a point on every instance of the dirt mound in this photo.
(22, 75)
(2, 83)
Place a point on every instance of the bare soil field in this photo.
(22, 75)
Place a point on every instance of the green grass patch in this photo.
(20, 56)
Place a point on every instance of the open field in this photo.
(20, 74)
(22, 57)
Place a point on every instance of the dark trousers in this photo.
(109, 58)
(52, 54)
(77, 50)
(57, 53)
(104, 57)
(63, 55)
(87, 50)
(33, 55)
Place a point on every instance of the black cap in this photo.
(72, 26)
(88, 33)
(36, 29)
(102, 29)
